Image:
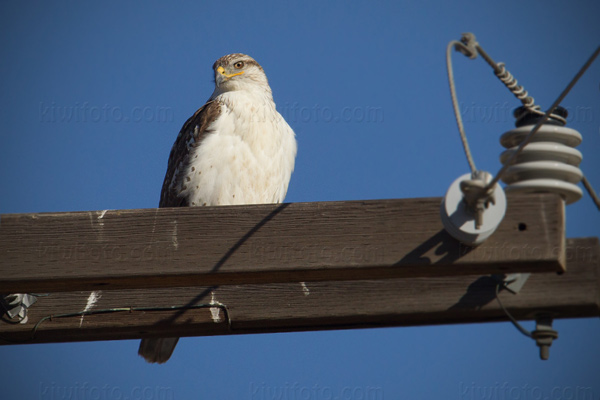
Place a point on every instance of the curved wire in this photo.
(469, 47)
(131, 309)
(512, 319)
(461, 128)
(122, 309)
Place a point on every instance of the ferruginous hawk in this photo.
(236, 149)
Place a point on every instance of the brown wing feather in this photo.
(192, 133)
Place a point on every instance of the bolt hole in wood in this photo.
(522, 227)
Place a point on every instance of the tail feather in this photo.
(157, 350)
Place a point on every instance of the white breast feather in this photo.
(248, 157)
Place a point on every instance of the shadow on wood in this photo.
(261, 244)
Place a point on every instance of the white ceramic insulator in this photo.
(549, 163)
(460, 222)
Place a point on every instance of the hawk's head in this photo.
(238, 72)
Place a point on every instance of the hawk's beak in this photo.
(221, 70)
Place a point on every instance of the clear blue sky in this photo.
(93, 95)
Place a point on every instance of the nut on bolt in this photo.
(544, 335)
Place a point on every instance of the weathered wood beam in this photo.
(315, 305)
(204, 246)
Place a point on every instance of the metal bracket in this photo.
(512, 282)
(15, 305)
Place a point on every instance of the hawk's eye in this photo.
(239, 65)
